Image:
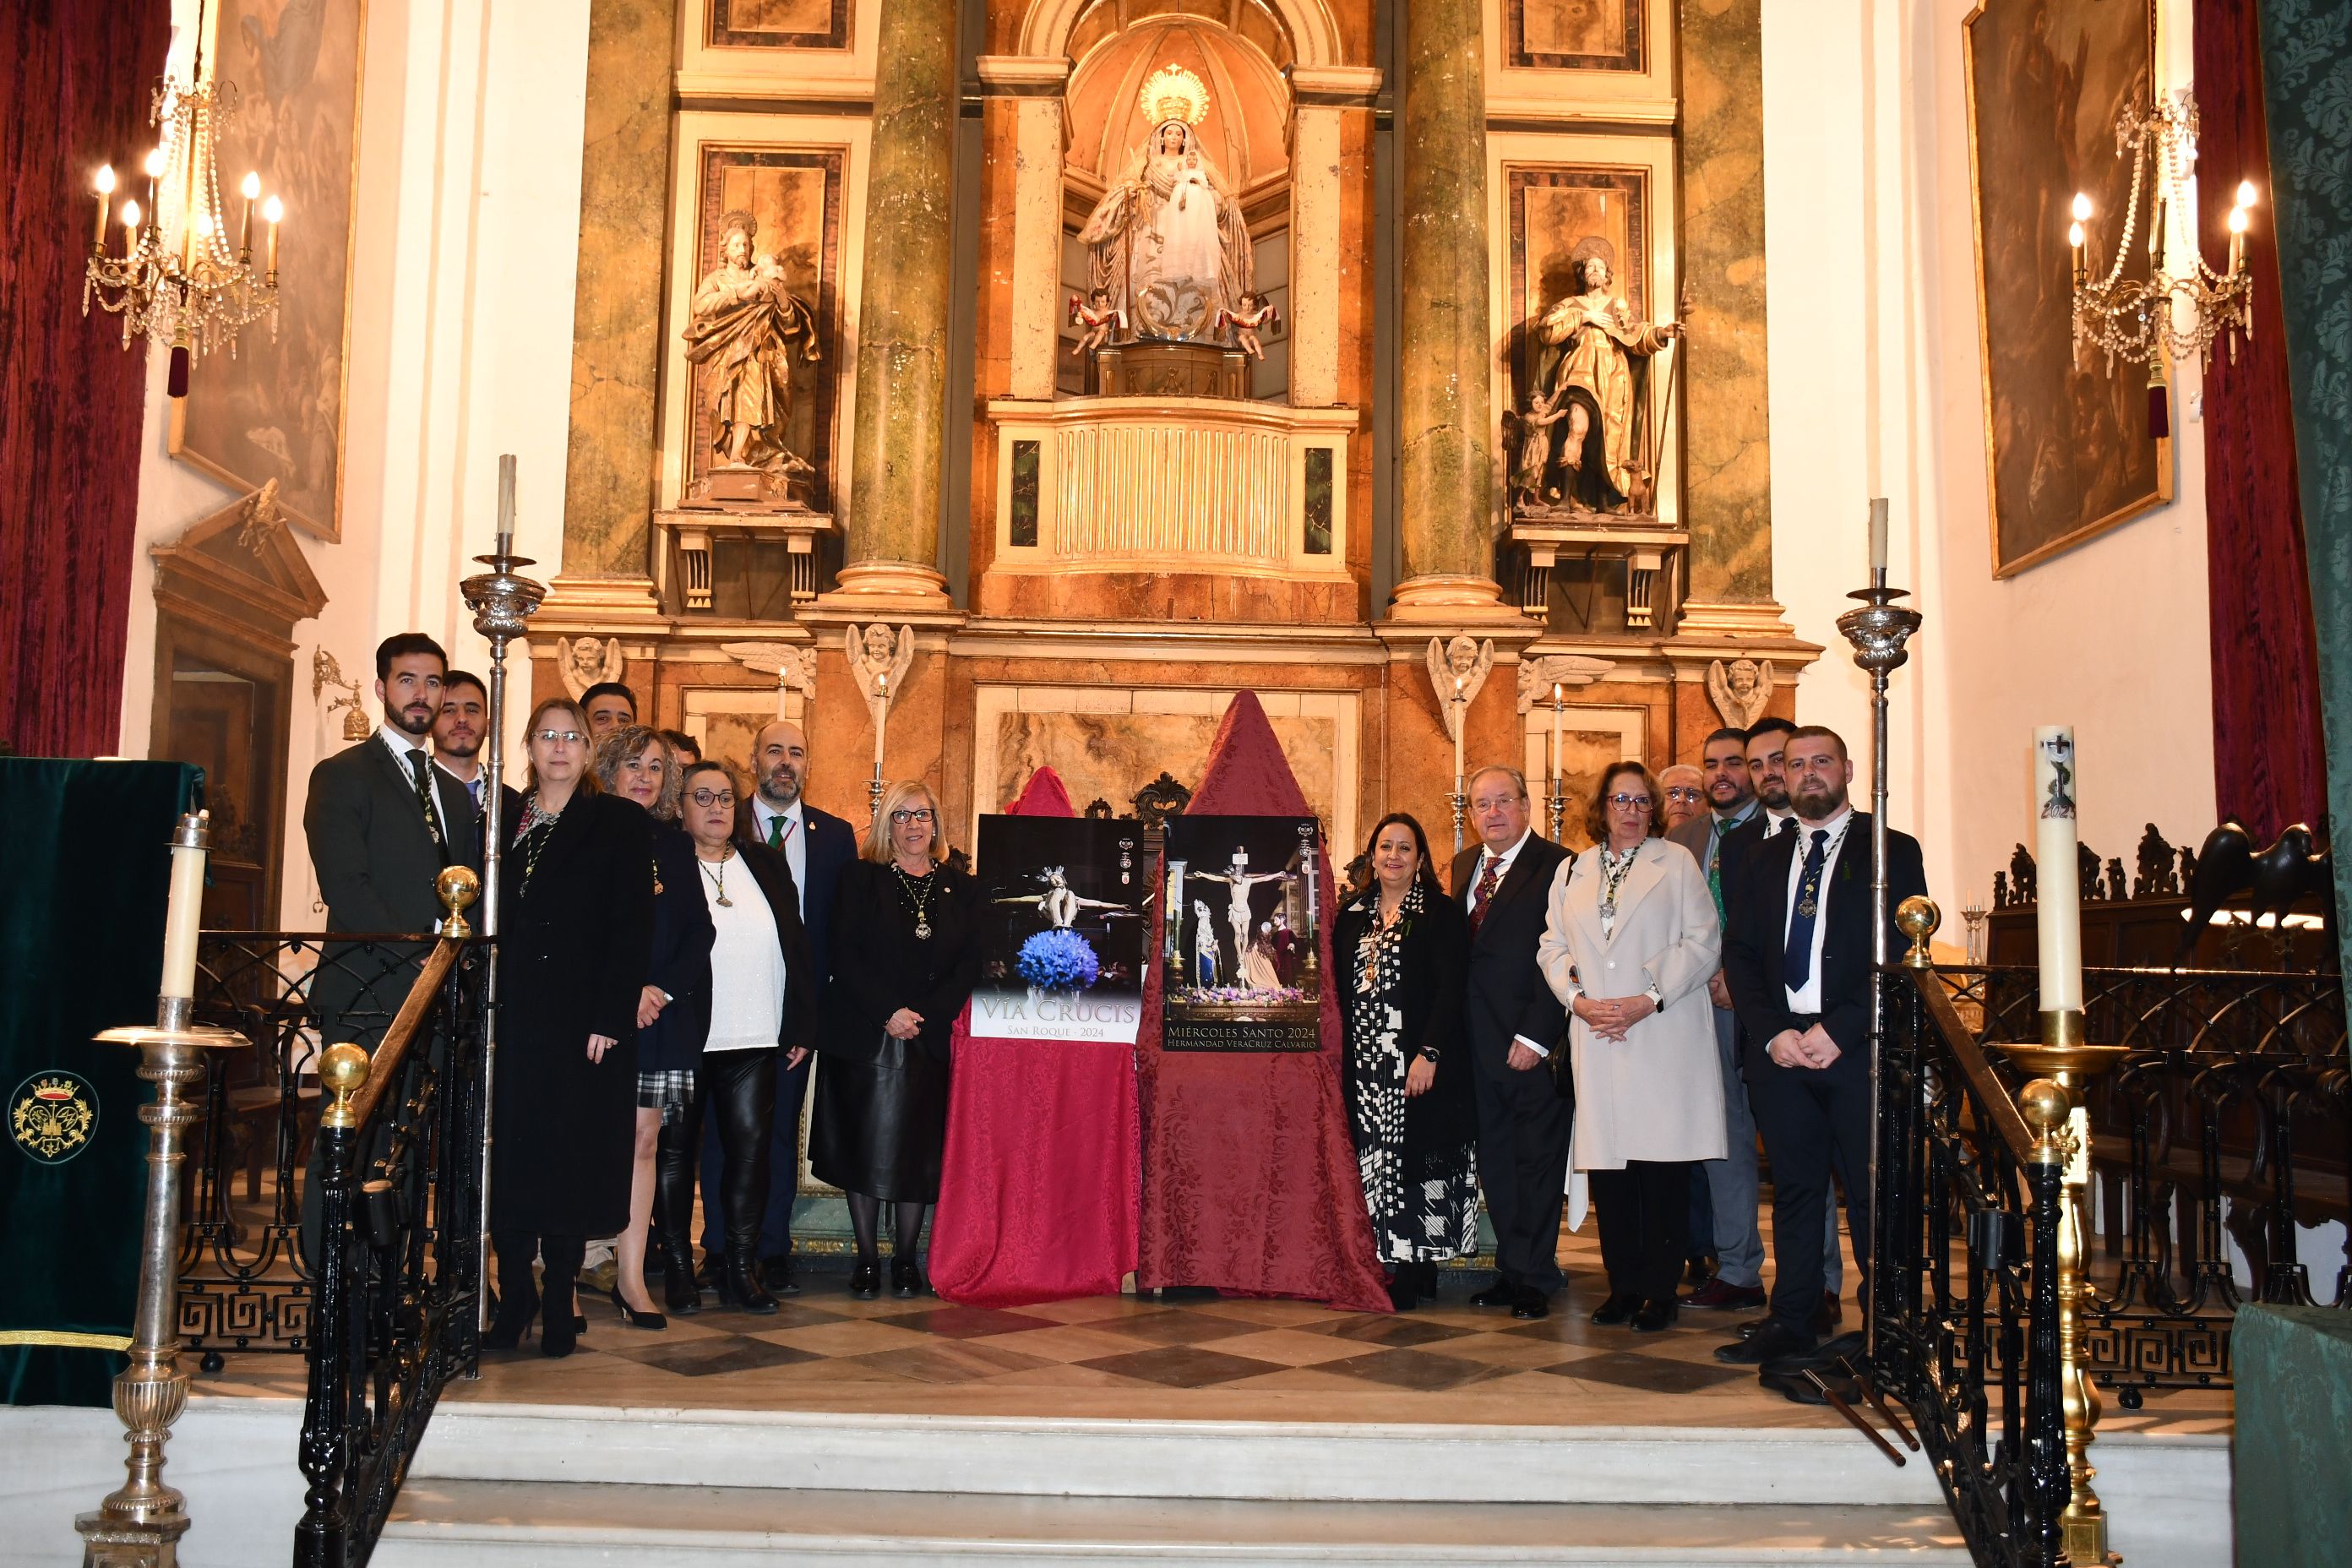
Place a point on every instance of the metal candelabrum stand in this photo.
(502, 602)
(139, 1525)
(1877, 629)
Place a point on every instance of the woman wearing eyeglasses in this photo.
(757, 1008)
(905, 957)
(673, 1007)
(575, 943)
(1630, 942)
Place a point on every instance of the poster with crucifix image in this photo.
(1066, 904)
(1238, 949)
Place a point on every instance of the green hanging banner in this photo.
(81, 948)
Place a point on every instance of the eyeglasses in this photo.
(1624, 800)
(921, 814)
(1682, 792)
(567, 736)
(712, 797)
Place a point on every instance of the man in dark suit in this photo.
(816, 845)
(1798, 958)
(1516, 1026)
(382, 821)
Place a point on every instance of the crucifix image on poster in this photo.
(1240, 949)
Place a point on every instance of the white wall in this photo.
(1875, 390)
(464, 256)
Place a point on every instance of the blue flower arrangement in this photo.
(1059, 961)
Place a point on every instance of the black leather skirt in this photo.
(881, 1126)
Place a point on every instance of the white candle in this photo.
(1878, 533)
(2058, 911)
(183, 915)
(506, 502)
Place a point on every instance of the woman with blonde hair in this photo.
(673, 1007)
(906, 954)
(575, 943)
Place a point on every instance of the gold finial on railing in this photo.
(343, 1072)
(456, 886)
(1917, 917)
(2045, 1105)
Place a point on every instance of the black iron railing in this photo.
(397, 1229)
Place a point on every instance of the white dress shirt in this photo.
(796, 839)
(1807, 998)
(398, 742)
(1502, 866)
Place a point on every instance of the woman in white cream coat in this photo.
(1631, 938)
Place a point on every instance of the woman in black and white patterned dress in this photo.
(1402, 949)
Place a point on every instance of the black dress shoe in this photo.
(865, 1280)
(1653, 1315)
(1501, 1293)
(776, 1274)
(1531, 1303)
(906, 1278)
(1616, 1309)
(634, 1318)
(1774, 1339)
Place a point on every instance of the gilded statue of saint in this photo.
(1168, 249)
(744, 323)
(1590, 395)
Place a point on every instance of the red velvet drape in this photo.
(74, 94)
(2269, 764)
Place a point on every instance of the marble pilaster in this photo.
(1446, 485)
(1037, 114)
(1727, 494)
(608, 490)
(1325, 96)
(891, 532)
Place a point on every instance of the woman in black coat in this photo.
(576, 945)
(905, 957)
(1401, 952)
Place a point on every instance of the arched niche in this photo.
(1291, 32)
(1245, 129)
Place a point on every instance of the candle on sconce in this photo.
(272, 211)
(130, 229)
(2237, 240)
(1878, 533)
(105, 200)
(185, 914)
(2058, 909)
(252, 191)
(154, 167)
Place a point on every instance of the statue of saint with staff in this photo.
(1597, 461)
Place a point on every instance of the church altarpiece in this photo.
(1129, 560)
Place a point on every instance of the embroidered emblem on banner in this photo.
(52, 1115)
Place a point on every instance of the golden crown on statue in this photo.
(1171, 92)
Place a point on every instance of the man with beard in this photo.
(382, 821)
(816, 845)
(457, 732)
(1797, 954)
(1728, 1186)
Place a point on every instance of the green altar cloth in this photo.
(81, 948)
(2293, 1470)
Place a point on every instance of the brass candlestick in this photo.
(2052, 1104)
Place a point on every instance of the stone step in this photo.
(492, 1524)
(1242, 1461)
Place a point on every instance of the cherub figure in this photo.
(1257, 314)
(1545, 411)
(584, 661)
(1099, 316)
(1458, 672)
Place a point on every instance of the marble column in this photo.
(1727, 494)
(1446, 486)
(608, 488)
(1035, 86)
(891, 534)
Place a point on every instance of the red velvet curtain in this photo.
(74, 94)
(2269, 766)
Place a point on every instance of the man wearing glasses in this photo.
(1686, 790)
(815, 845)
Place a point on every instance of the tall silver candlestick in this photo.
(502, 602)
(139, 1525)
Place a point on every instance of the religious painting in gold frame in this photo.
(794, 193)
(275, 410)
(1576, 34)
(778, 25)
(2068, 449)
(1559, 214)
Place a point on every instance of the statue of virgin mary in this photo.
(1168, 251)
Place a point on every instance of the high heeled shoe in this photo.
(634, 1318)
(865, 1280)
(512, 1325)
(906, 1278)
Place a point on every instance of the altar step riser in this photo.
(1233, 1461)
(479, 1524)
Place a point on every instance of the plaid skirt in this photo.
(670, 1091)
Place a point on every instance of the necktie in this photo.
(1797, 964)
(1489, 876)
(779, 828)
(1715, 870)
(423, 772)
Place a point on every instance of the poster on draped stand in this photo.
(1239, 949)
(1063, 935)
